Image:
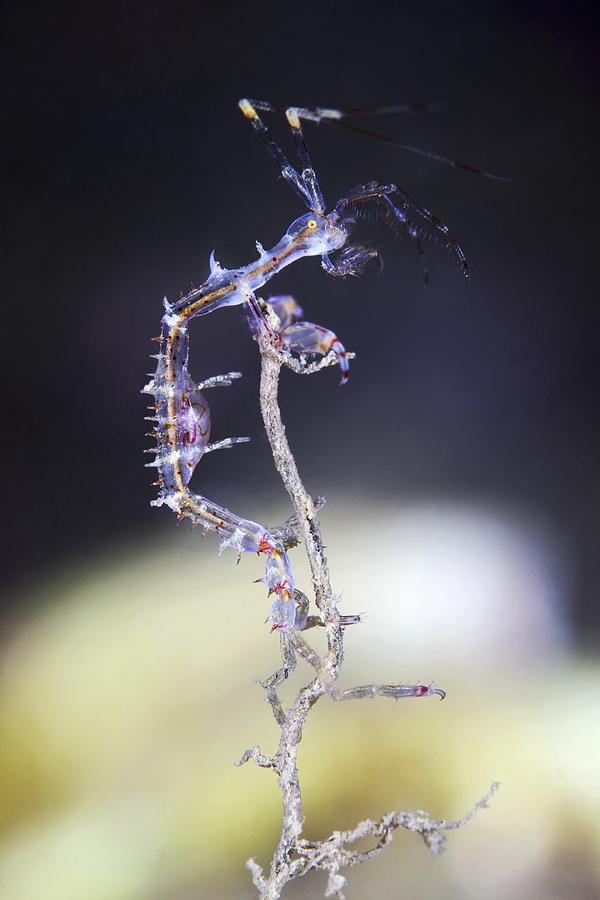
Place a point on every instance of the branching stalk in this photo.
(295, 856)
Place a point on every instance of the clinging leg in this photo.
(225, 444)
(290, 642)
(219, 381)
(363, 691)
(287, 309)
(306, 337)
(353, 260)
(300, 337)
(392, 691)
(288, 657)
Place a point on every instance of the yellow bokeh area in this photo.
(128, 688)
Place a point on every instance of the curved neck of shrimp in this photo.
(229, 288)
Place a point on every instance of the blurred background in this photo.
(460, 463)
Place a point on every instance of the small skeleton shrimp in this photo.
(180, 411)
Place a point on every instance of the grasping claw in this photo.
(426, 690)
(392, 691)
(306, 337)
(354, 260)
(300, 337)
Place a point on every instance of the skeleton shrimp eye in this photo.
(311, 223)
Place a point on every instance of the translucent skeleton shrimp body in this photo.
(180, 411)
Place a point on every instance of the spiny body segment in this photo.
(182, 413)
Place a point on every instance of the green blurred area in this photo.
(129, 688)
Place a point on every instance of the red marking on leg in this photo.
(265, 546)
(282, 587)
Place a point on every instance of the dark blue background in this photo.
(127, 161)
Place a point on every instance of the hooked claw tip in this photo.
(441, 694)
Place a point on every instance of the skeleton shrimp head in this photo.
(324, 234)
(353, 259)
(317, 234)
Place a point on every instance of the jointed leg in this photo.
(294, 336)
(225, 444)
(410, 228)
(393, 691)
(353, 260)
(200, 407)
(219, 381)
(306, 337)
(291, 641)
(363, 691)
(451, 241)
(367, 195)
(288, 657)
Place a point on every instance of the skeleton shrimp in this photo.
(181, 414)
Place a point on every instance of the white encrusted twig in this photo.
(335, 853)
(295, 856)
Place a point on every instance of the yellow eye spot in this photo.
(311, 223)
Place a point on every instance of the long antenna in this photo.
(386, 138)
